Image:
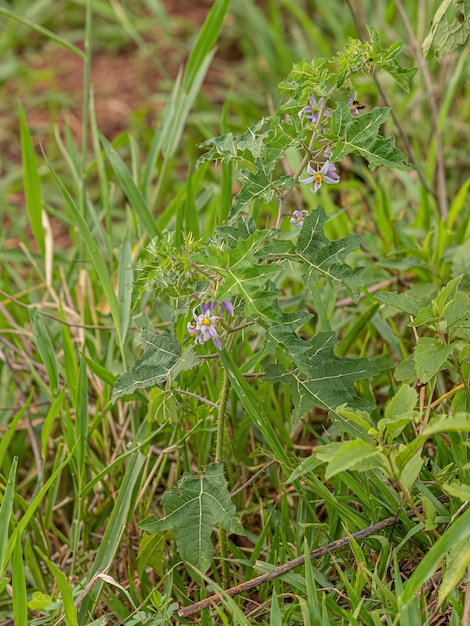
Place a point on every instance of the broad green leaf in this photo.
(457, 316)
(401, 301)
(162, 406)
(151, 553)
(360, 135)
(355, 455)
(405, 371)
(317, 255)
(258, 185)
(40, 601)
(445, 296)
(243, 274)
(230, 147)
(31, 182)
(323, 379)
(457, 490)
(450, 28)
(430, 356)
(193, 508)
(162, 352)
(399, 411)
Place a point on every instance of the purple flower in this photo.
(207, 307)
(326, 174)
(228, 306)
(298, 218)
(202, 326)
(312, 110)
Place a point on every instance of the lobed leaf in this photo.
(199, 502)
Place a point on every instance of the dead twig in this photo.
(290, 565)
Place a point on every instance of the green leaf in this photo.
(445, 296)
(360, 135)
(133, 193)
(32, 182)
(162, 406)
(199, 502)
(457, 562)
(5, 516)
(113, 534)
(401, 301)
(430, 356)
(318, 256)
(45, 347)
(399, 412)
(459, 531)
(323, 379)
(162, 353)
(450, 28)
(40, 601)
(353, 455)
(457, 490)
(94, 253)
(43, 31)
(258, 185)
(70, 610)
(151, 553)
(205, 41)
(126, 279)
(248, 146)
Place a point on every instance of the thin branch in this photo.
(423, 66)
(290, 565)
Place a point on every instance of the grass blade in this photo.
(95, 256)
(112, 535)
(205, 41)
(459, 531)
(250, 402)
(5, 515)
(42, 31)
(133, 193)
(32, 182)
(70, 610)
(20, 598)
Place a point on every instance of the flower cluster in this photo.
(312, 111)
(202, 326)
(298, 218)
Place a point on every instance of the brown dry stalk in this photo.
(287, 567)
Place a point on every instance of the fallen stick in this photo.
(287, 567)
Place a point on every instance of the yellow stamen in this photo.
(206, 321)
(318, 178)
